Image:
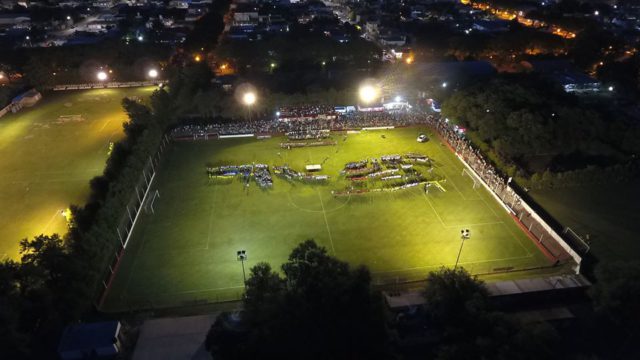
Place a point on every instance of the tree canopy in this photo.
(319, 308)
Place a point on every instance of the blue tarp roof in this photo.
(88, 336)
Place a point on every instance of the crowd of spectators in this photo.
(301, 112)
(301, 126)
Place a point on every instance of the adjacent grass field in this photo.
(186, 252)
(49, 153)
(609, 214)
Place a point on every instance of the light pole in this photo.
(242, 256)
(464, 235)
(249, 99)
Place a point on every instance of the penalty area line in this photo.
(326, 222)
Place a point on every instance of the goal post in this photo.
(474, 177)
(577, 239)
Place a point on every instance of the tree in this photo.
(319, 309)
(457, 305)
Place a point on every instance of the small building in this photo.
(564, 74)
(98, 340)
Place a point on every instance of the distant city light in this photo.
(277, 113)
(596, 13)
(324, 63)
(444, 84)
(68, 17)
(27, 37)
(153, 73)
(368, 93)
(102, 76)
(140, 38)
(610, 88)
(197, 58)
(249, 98)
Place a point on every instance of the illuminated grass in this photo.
(46, 162)
(186, 252)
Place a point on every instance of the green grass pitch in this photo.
(48, 154)
(186, 251)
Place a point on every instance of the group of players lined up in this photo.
(289, 174)
(307, 135)
(301, 127)
(388, 168)
(259, 172)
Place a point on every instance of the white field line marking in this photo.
(451, 264)
(476, 224)
(211, 218)
(326, 222)
(203, 290)
(433, 208)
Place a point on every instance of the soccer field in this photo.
(49, 153)
(185, 252)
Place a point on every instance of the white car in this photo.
(422, 138)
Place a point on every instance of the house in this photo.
(393, 40)
(15, 21)
(100, 340)
(27, 99)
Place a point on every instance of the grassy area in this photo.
(185, 252)
(49, 153)
(607, 213)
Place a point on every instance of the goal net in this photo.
(578, 240)
(472, 176)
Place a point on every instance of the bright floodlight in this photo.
(368, 93)
(153, 73)
(249, 98)
(102, 76)
(398, 99)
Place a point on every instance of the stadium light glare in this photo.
(102, 76)
(249, 98)
(368, 93)
(153, 73)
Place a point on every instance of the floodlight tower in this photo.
(464, 235)
(241, 255)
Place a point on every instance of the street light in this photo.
(241, 255)
(464, 235)
(444, 84)
(153, 73)
(102, 76)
